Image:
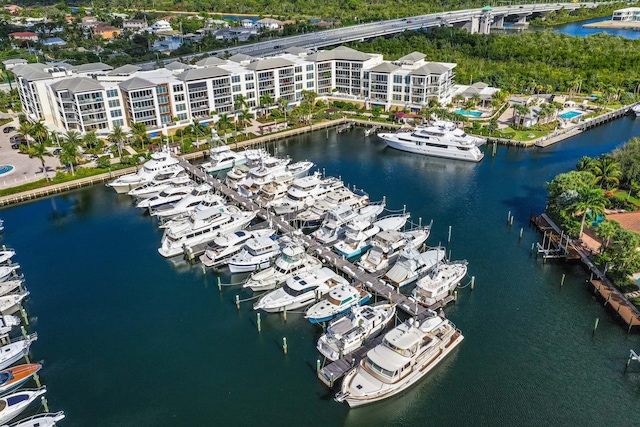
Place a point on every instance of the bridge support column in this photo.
(522, 19)
(484, 25)
(498, 21)
(472, 26)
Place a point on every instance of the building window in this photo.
(236, 88)
(309, 85)
(309, 76)
(181, 107)
(164, 109)
(178, 88)
(182, 116)
(310, 67)
(248, 77)
(298, 86)
(118, 122)
(298, 69)
(161, 89)
(397, 79)
(298, 77)
(179, 97)
(165, 119)
(250, 86)
(114, 103)
(112, 93)
(116, 113)
(163, 99)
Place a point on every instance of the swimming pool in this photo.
(570, 114)
(6, 169)
(468, 113)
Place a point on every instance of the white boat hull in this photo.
(449, 153)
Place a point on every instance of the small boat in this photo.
(386, 245)
(339, 301)
(300, 169)
(40, 420)
(435, 286)
(159, 162)
(14, 404)
(7, 323)
(348, 333)
(16, 350)
(226, 245)
(8, 271)
(10, 286)
(300, 290)
(222, 157)
(406, 355)
(15, 376)
(636, 110)
(411, 264)
(9, 303)
(293, 261)
(6, 255)
(257, 253)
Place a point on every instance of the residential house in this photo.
(24, 36)
(89, 22)
(106, 31)
(54, 41)
(269, 24)
(161, 26)
(134, 24)
(13, 9)
(11, 63)
(247, 23)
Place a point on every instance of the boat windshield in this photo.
(379, 369)
(298, 292)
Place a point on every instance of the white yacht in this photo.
(386, 245)
(339, 301)
(159, 162)
(407, 353)
(411, 264)
(441, 139)
(15, 403)
(173, 193)
(441, 282)
(636, 110)
(358, 234)
(16, 350)
(210, 200)
(304, 192)
(10, 303)
(157, 185)
(201, 227)
(300, 169)
(236, 175)
(10, 286)
(8, 271)
(269, 168)
(316, 213)
(293, 261)
(300, 290)
(275, 190)
(226, 245)
(40, 420)
(6, 255)
(223, 157)
(257, 253)
(335, 221)
(186, 204)
(347, 334)
(7, 323)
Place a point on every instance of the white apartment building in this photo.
(96, 97)
(629, 14)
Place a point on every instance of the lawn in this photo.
(622, 195)
(523, 135)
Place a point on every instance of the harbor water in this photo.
(576, 29)
(131, 339)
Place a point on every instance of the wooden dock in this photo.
(616, 301)
(345, 127)
(555, 244)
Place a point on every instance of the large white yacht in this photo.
(221, 158)
(174, 192)
(358, 234)
(293, 261)
(336, 220)
(304, 192)
(186, 204)
(339, 301)
(300, 290)
(348, 333)
(636, 110)
(256, 253)
(435, 286)
(407, 353)
(316, 213)
(411, 264)
(441, 139)
(159, 162)
(162, 181)
(269, 169)
(226, 245)
(203, 226)
(386, 245)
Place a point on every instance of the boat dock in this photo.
(372, 130)
(191, 252)
(370, 281)
(345, 127)
(555, 244)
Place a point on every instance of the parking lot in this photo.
(26, 169)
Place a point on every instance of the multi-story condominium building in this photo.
(96, 97)
(629, 14)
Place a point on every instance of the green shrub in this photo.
(103, 162)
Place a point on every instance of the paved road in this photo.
(374, 29)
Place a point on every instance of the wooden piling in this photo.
(285, 313)
(562, 281)
(595, 326)
(473, 282)
(284, 344)
(237, 302)
(258, 322)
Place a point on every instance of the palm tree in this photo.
(39, 150)
(607, 230)
(139, 131)
(72, 137)
(69, 154)
(197, 129)
(90, 140)
(245, 118)
(266, 101)
(521, 110)
(118, 136)
(283, 103)
(590, 199)
(223, 123)
(607, 173)
(39, 131)
(24, 131)
(585, 164)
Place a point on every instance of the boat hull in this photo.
(431, 151)
(330, 316)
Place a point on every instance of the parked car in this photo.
(17, 139)
(8, 129)
(57, 151)
(15, 146)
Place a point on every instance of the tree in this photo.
(39, 132)
(39, 151)
(245, 118)
(283, 104)
(197, 129)
(139, 131)
(607, 173)
(585, 164)
(628, 158)
(90, 140)
(118, 136)
(265, 102)
(591, 200)
(607, 230)
(24, 131)
(69, 154)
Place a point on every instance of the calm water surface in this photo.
(575, 29)
(131, 339)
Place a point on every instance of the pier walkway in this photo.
(370, 281)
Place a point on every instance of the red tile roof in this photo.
(23, 34)
(628, 220)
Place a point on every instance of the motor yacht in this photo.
(314, 215)
(358, 234)
(300, 290)
(441, 139)
(257, 253)
(347, 334)
(6, 255)
(339, 301)
(11, 303)
(407, 354)
(8, 272)
(222, 157)
(226, 245)
(411, 264)
(16, 350)
(293, 261)
(160, 161)
(171, 194)
(15, 403)
(269, 169)
(386, 245)
(441, 282)
(304, 192)
(335, 221)
(41, 420)
(158, 185)
(187, 204)
(201, 227)
(8, 322)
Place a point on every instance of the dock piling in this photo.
(331, 380)
(521, 231)
(511, 222)
(258, 322)
(45, 404)
(219, 284)
(317, 365)
(533, 245)
(473, 282)
(285, 313)
(284, 344)
(455, 295)
(562, 281)
(237, 302)
(595, 326)
(24, 331)
(508, 217)
(449, 236)
(23, 312)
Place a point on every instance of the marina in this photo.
(552, 323)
